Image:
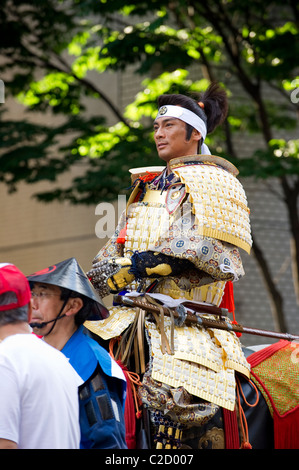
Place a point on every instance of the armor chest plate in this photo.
(147, 221)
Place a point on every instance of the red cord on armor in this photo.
(229, 303)
(148, 176)
(122, 236)
(133, 377)
(244, 427)
(135, 382)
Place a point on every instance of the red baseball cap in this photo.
(13, 280)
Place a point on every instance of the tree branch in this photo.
(277, 301)
(49, 64)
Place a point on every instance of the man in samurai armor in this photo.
(177, 246)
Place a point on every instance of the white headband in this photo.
(184, 115)
(189, 118)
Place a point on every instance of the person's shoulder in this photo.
(195, 160)
(84, 354)
(92, 346)
(107, 363)
(19, 340)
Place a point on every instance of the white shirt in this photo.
(39, 404)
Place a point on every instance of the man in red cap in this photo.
(39, 406)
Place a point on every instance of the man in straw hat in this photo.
(62, 299)
(39, 406)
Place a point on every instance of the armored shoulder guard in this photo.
(218, 199)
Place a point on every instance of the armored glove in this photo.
(111, 275)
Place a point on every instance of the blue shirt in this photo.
(102, 396)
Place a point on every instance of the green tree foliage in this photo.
(50, 48)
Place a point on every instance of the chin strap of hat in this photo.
(59, 316)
